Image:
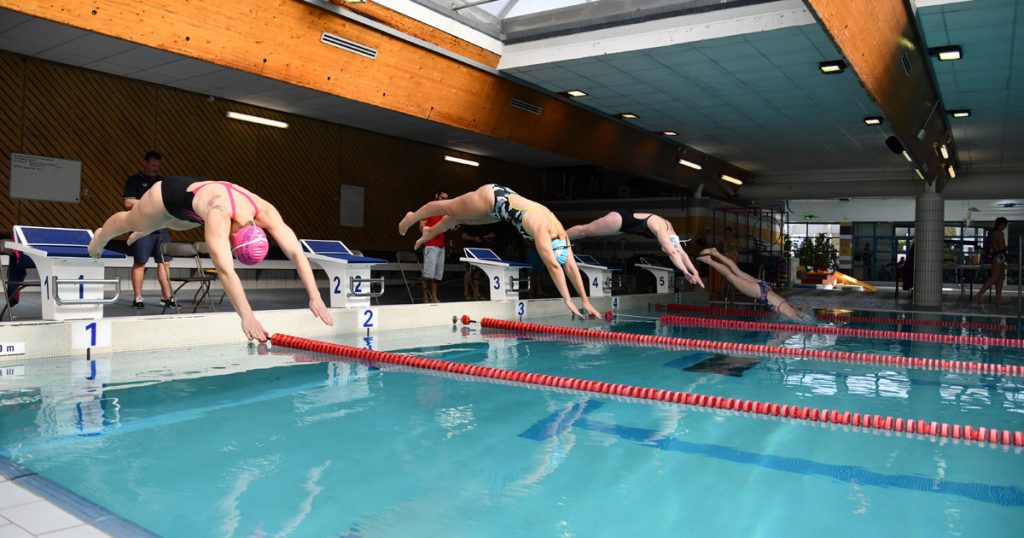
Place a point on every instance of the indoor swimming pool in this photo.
(228, 441)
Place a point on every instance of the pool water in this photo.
(223, 441)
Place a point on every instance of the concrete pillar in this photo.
(928, 230)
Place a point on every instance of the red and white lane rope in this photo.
(866, 422)
(837, 318)
(803, 353)
(708, 323)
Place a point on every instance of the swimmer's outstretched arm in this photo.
(217, 229)
(289, 244)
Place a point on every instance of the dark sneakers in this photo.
(169, 303)
(137, 303)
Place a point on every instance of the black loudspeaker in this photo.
(894, 144)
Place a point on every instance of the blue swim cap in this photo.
(561, 250)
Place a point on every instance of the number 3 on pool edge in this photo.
(497, 283)
(521, 308)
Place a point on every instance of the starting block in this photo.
(72, 283)
(348, 274)
(599, 277)
(503, 279)
(664, 277)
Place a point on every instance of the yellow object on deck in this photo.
(850, 281)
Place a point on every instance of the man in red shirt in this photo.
(433, 256)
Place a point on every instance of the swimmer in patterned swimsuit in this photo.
(494, 203)
(750, 286)
(182, 203)
(646, 225)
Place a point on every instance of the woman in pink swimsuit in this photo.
(230, 228)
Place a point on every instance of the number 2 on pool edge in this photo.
(337, 285)
(497, 283)
(359, 284)
(368, 322)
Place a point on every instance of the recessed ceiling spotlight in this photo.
(628, 116)
(947, 54)
(669, 133)
(873, 120)
(575, 93)
(832, 68)
(961, 113)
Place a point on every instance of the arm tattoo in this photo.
(213, 203)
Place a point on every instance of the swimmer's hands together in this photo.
(253, 329)
(319, 309)
(694, 279)
(591, 310)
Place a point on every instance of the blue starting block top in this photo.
(488, 255)
(60, 242)
(587, 259)
(336, 250)
(651, 261)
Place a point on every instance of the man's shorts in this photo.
(433, 263)
(149, 247)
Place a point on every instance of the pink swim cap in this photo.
(250, 244)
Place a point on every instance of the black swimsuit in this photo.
(633, 225)
(178, 200)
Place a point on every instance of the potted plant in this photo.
(818, 254)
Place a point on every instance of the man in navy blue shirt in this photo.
(149, 246)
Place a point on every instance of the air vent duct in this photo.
(351, 46)
(529, 107)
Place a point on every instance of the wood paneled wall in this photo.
(108, 123)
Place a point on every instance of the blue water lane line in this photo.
(575, 416)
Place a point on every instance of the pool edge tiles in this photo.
(88, 512)
(140, 333)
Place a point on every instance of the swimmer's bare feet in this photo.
(703, 258)
(712, 251)
(423, 238)
(95, 247)
(405, 223)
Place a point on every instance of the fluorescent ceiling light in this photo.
(730, 179)
(832, 68)
(962, 113)
(670, 133)
(873, 120)
(576, 93)
(948, 54)
(256, 119)
(467, 162)
(918, 172)
(951, 171)
(690, 164)
(944, 152)
(628, 116)
(907, 156)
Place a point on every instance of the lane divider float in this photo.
(866, 422)
(708, 323)
(729, 311)
(803, 353)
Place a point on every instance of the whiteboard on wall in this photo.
(351, 206)
(34, 177)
